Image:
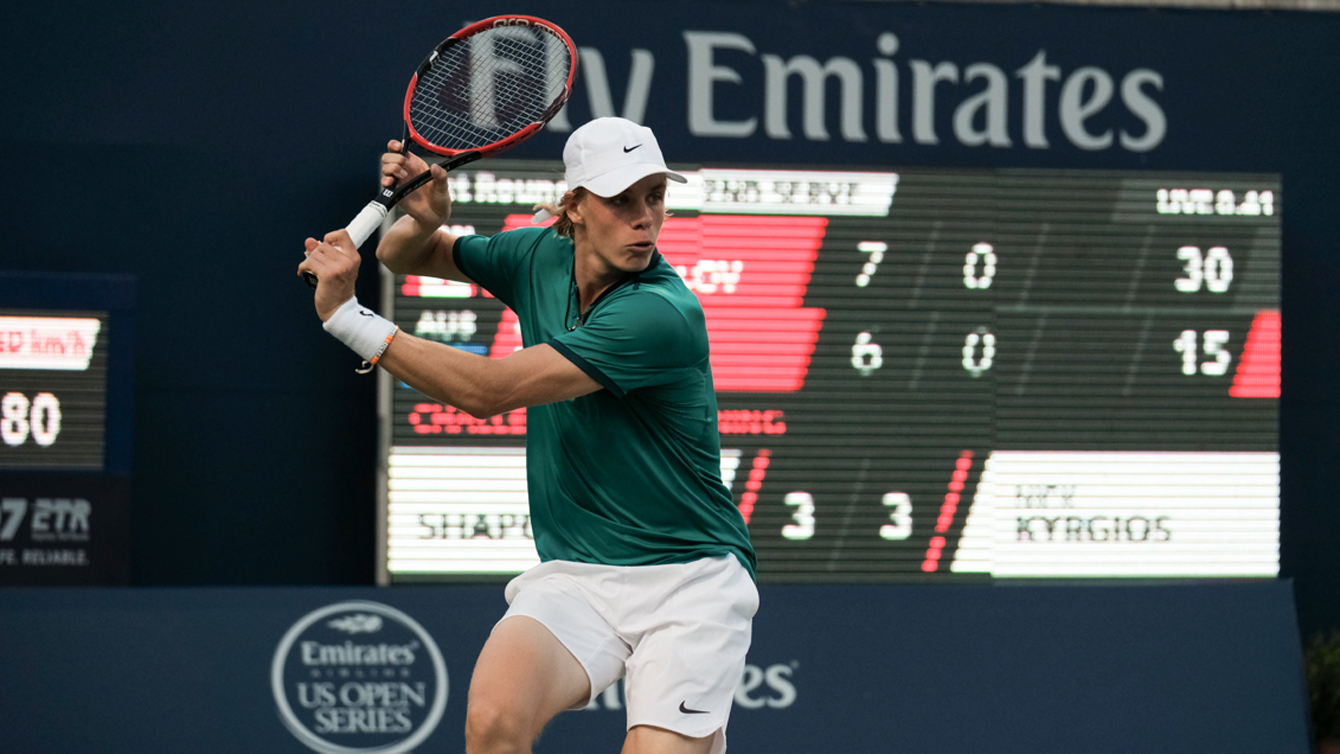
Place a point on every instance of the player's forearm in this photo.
(468, 381)
(482, 386)
(406, 249)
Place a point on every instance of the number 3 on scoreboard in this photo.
(803, 528)
(901, 528)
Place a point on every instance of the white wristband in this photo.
(362, 329)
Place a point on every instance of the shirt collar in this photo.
(574, 318)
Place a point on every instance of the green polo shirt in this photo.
(631, 474)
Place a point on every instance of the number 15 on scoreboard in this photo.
(1214, 342)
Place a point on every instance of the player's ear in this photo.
(573, 205)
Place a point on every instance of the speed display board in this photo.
(64, 450)
(54, 398)
(922, 374)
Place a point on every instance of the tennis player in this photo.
(647, 569)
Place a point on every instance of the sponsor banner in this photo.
(772, 686)
(359, 676)
(899, 84)
(64, 529)
(850, 669)
(884, 86)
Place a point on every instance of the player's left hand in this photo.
(335, 262)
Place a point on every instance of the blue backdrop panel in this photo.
(857, 669)
(216, 137)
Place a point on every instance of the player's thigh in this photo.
(685, 669)
(648, 739)
(524, 676)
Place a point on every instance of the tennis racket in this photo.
(484, 89)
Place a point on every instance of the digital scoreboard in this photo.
(54, 401)
(922, 374)
(66, 376)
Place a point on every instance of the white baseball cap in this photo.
(607, 155)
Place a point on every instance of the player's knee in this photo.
(493, 729)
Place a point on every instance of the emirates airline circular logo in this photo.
(359, 678)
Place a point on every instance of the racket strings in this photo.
(488, 87)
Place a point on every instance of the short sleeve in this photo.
(637, 340)
(494, 262)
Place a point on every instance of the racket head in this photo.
(490, 86)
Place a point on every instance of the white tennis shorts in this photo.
(678, 631)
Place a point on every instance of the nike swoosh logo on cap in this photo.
(688, 711)
(626, 150)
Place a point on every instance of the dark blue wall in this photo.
(853, 669)
(195, 146)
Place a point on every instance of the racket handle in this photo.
(360, 229)
(366, 222)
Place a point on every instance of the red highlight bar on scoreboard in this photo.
(933, 555)
(952, 498)
(508, 339)
(948, 509)
(748, 350)
(755, 483)
(724, 321)
(1258, 372)
(751, 274)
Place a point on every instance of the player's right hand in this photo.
(430, 205)
(335, 262)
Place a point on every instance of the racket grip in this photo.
(367, 221)
(360, 229)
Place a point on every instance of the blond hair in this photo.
(563, 225)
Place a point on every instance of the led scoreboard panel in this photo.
(64, 429)
(921, 374)
(54, 400)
